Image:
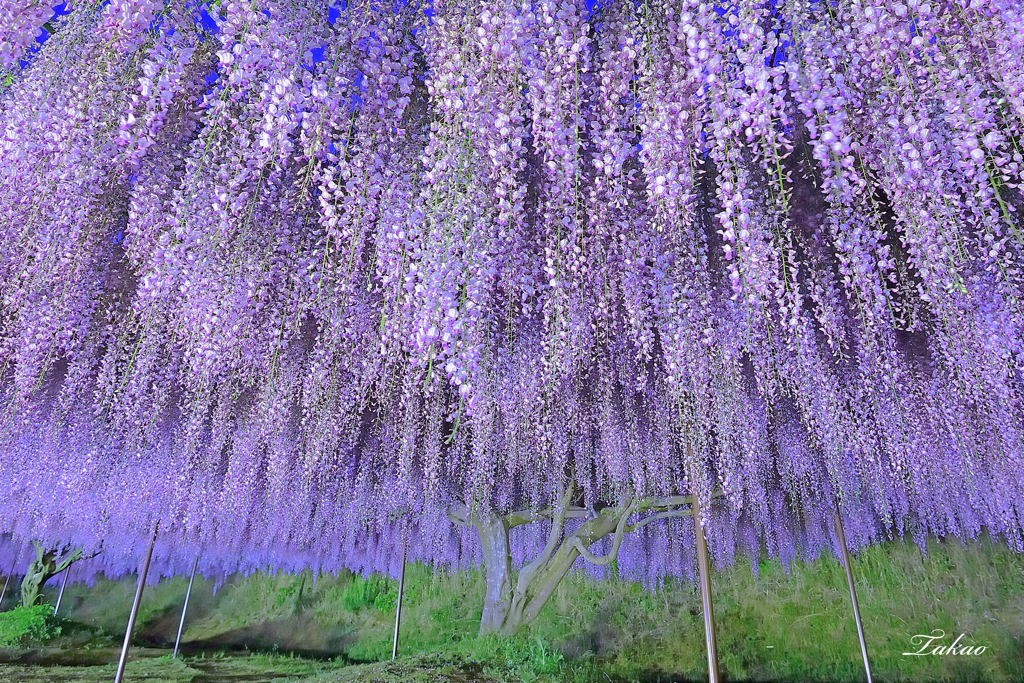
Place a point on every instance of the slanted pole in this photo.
(135, 609)
(398, 611)
(841, 536)
(181, 624)
(9, 574)
(704, 565)
(63, 585)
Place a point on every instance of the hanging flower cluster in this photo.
(290, 276)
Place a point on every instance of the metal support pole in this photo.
(853, 593)
(181, 624)
(135, 609)
(704, 565)
(398, 612)
(9, 575)
(63, 585)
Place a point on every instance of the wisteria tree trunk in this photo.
(509, 607)
(42, 569)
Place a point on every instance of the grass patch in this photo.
(782, 624)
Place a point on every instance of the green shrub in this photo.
(24, 624)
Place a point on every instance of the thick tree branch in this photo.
(610, 557)
(75, 555)
(521, 517)
(661, 515)
(663, 502)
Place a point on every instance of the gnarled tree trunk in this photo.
(42, 569)
(508, 607)
(493, 532)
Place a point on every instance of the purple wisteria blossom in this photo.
(292, 277)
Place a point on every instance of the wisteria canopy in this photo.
(292, 278)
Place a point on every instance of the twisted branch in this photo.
(574, 541)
